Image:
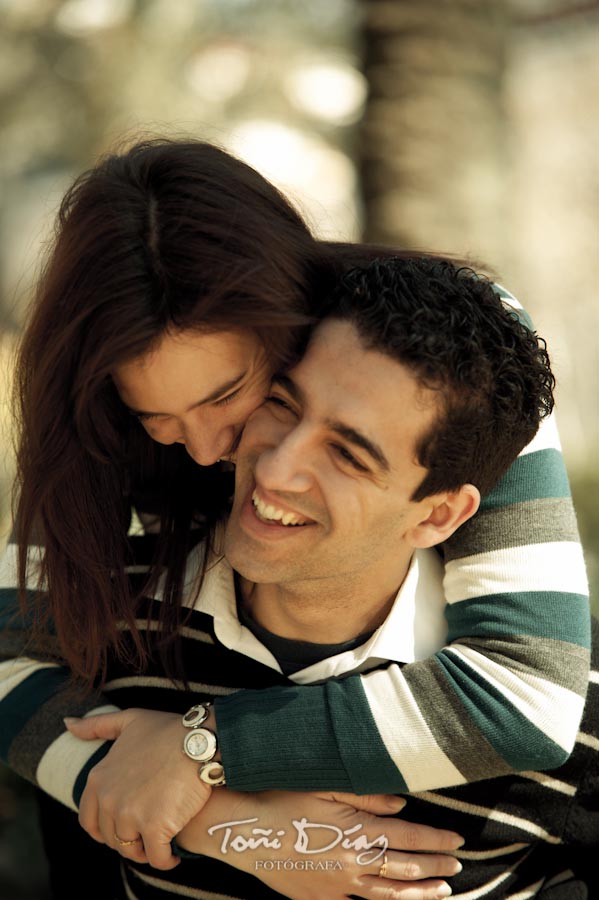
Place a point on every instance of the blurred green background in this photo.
(456, 125)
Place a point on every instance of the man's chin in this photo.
(237, 548)
(247, 557)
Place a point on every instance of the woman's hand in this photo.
(145, 790)
(286, 852)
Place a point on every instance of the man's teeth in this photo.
(269, 513)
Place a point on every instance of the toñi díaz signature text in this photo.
(308, 839)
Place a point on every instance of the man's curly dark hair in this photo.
(447, 324)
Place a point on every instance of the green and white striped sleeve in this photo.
(35, 694)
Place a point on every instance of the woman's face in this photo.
(198, 389)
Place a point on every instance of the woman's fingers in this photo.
(132, 847)
(118, 835)
(105, 726)
(383, 889)
(407, 876)
(415, 866)
(144, 786)
(88, 816)
(376, 804)
(403, 835)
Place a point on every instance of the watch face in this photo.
(200, 744)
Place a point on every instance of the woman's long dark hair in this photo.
(167, 235)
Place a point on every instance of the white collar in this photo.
(414, 629)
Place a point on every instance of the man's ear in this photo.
(449, 511)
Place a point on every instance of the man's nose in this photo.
(287, 465)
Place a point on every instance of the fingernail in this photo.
(459, 867)
(458, 841)
(444, 891)
(396, 803)
(70, 720)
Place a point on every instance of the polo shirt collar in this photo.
(414, 629)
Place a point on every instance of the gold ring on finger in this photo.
(126, 843)
(383, 869)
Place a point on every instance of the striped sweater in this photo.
(527, 835)
(518, 707)
(505, 694)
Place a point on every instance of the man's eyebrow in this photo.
(210, 398)
(345, 431)
(360, 440)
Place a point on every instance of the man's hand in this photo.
(145, 790)
(417, 859)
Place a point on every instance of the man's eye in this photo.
(348, 457)
(145, 417)
(274, 400)
(224, 400)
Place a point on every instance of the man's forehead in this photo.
(337, 348)
(334, 331)
(332, 341)
(343, 381)
(329, 340)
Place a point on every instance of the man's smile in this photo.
(266, 517)
(267, 512)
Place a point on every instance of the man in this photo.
(335, 506)
(342, 489)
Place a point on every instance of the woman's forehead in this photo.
(188, 366)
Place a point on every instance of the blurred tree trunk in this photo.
(431, 146)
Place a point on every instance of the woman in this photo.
(172, 239)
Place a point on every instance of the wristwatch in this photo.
(200, 744)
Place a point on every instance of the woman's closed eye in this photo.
(223, 401)
(145, 417)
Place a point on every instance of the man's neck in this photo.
(322, 612)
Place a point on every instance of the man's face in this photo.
(327, 465)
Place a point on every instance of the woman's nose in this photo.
(207, 446)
